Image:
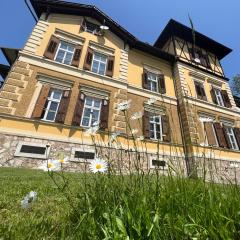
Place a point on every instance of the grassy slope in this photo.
(114, 207)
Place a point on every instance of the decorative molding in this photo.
(98, 93)
(215, 82)
(152, 69)
(155, 109)
(101, 48)
(226, 121)
(75, 39)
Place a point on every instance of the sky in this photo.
(218, 19)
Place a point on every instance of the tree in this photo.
(236, 85)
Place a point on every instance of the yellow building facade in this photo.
(79, 70)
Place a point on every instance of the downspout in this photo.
(29, 8)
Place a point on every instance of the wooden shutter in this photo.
(226, 136)
(78, 110)
(166, 129)
(76, 56)
(145, 79)
(146, 124)
(39, 107)
(63, 106)
(161, 83)
(110, 66)
(104, 114)
(213, 95)
(200, 91)
(220, 135)
(52, 47)
(226, 99)
(210, 134)
(82, 25)
(237, 135)
(88, 59)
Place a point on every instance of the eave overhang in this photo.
(10, 54)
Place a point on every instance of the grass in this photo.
(96, 206)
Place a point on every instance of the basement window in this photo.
(158, 163)
(83, 154)
(32, 150)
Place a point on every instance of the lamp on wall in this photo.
(103, 27)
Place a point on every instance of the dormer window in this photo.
(90, 27)
(197, 56)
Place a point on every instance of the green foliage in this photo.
(236, 84)
(97, 206)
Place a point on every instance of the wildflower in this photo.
(151, 100)
(137, 115)
(28, 199)
(98, 165)
(124, 105)
(92, 130)
(50, 165)
(63, 160)
(140, 138)
(134, 131)
(114, 137)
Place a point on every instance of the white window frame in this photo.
(18, 152)
(151, 81)
(218, 96)
(65, 52)
(232, 138)
(92, 108)
(50, 99)
(101, 54)
(155, 126)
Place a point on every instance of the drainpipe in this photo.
(29, 8)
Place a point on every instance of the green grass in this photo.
(117, 207)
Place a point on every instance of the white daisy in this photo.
(151, 100)
(137, 115)
(63, 160)
(28, 199)
(124, 105)
(51, 165)
(91, 131)
(134, 131)
(98, 165)
(140, 138)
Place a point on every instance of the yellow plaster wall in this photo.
(136, 63)
(71, 24)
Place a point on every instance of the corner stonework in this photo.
(16, 81)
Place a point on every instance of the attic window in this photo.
(91, 27)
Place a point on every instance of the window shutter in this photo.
(204, 97)
(161, 83)
(78, 110)
(145, 79)
(226, 136)
(146, 124)
(104, 114)
(226, 99)
(166, 129)
(76, 56)
(37, 112)
(237, 135)
(213, 95)
(200, 91)
(52, 47)
(220, 135)
(88, 59)
(110, 66)
(210, 134)
(82, 25)
(63, 106)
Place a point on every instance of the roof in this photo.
(174, 28)
(4, 69)
(56, 6)
(10, 54)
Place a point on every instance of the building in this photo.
(78, 65)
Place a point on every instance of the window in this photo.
(155, 127)
(91, 111)
(52, 104)
(32, 150)
(99, 63)
(231, 138)
(65, 53)
(91, 27)
(152, 82)
(199, 57)
(219, 98)
(200, 91)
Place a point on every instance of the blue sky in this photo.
(144, 19)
